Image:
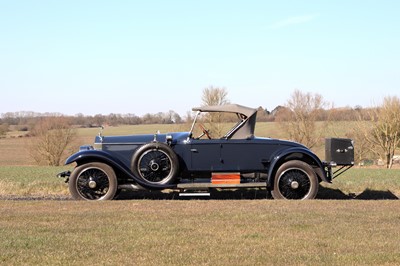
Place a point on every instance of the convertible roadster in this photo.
(191, 162)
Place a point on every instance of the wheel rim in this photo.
(155, 166)
(92, 183)
(294, 184)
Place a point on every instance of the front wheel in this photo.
(295, 180)
(93, 181)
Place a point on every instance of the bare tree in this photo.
(215, 96)
(300, 117)
(383, 132)
(363, 149)
(52, 137)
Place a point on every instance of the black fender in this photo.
(296, 153)
(85, 156)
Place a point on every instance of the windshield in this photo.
(215, 125)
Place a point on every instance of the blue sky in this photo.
(142, 57)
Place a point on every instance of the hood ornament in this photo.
(155, 136)
(101, 133)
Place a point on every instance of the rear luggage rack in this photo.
(336, 173)
(338, 152)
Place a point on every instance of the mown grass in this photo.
(200, 232)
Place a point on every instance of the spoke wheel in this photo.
(93, 181)
(156, 163)
(154, 166)
(295, 180)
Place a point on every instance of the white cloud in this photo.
(293, 21)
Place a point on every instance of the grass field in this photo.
(199, 232)
(354, 221)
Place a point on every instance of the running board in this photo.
(194, 194)
(210, 185)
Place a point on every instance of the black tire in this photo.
(295, 180)
(155, 163)
(93, 181)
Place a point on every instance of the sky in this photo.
(101, 57)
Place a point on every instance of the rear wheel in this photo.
(93, 181)
(295, 180)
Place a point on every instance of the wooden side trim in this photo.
(225, 178)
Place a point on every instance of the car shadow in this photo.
(240, 194)
(377, 195)
(324, 193)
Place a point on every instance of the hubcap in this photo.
(154, 166)
(92, 184)
(295, 185)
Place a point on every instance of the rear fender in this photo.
(297, 153)
(86, 156)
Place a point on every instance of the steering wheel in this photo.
(205, 131)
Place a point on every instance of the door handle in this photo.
(194, 150)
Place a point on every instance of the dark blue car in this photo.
(187, 162)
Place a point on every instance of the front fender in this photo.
(296, 153)
(91, 155)
(86, 156)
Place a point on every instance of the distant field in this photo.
(13, 149)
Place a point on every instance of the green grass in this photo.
(367, 183)
(32, 181)
(199, 232)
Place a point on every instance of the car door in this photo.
(245, 155)
(206, 155)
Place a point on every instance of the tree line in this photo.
(377, 131)
(25, 120)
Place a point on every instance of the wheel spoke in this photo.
(92, 183)
(294, 184)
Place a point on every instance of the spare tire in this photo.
(155, 163)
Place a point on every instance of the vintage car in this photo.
(187, 163)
